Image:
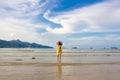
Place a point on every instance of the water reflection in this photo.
(59, 68)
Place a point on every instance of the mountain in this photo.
(20, 44)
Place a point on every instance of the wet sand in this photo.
(59, 71)
(46, 67)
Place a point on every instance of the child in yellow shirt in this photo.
(59, 49)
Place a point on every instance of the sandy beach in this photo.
(18, 64)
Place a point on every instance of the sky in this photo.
(80, 23)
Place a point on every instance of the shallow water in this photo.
(18, 64)
(49, 55)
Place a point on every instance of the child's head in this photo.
(59, 43)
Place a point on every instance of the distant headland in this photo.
(20, 44)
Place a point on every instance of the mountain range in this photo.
(20, 44)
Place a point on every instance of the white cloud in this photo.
(112, 37)
(95, 41)
(22, 8)
(16, 20)
(11, 29)
(101, 17)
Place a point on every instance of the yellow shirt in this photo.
(59, 49)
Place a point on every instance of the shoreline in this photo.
(54, 64)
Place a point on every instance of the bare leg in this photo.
(60, 56)
(57, 57)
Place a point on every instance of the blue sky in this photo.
(81, 23)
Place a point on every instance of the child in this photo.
(59, 49)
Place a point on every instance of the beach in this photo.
(41, 64)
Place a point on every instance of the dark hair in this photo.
(59, 43)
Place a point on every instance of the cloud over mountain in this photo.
(47, 21)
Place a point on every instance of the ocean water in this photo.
(42, 64)
(49, 55)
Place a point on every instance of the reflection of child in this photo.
(59, 68)
(59, 49)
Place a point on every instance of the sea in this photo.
(42, 64)
(49, 55)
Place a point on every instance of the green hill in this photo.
(20, 44)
